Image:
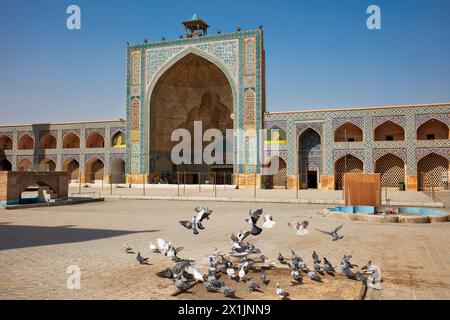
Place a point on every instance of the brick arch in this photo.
(5, 142)
(71, 140)
(95, 140)
(26, 142)
(433, 127)
(392, 170)
(276, 177)
(430, 171)
(348, 130)
(389, 128)
(47, 141)
(346, 164)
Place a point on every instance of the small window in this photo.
(430, 136)
(390, 138)
(351, 140)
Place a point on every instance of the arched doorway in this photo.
(5, 165)
(432, 171)
(346, 164)
(392, 170)
(276, 179)
(26, 142)
(71, 141)
(47, 141)
(389, 131)
(73, 168)
(95, 140)
(348, 132)
(5, 143)
(433, 130)
(94, 170)
(24, 165)
(192, 89)
(47, 165)
(118, 140)
(310, 155)
(118, 171)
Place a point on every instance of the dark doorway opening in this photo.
(312, 179)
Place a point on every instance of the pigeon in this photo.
(374, 279)
(316, 262)
(252, 286)
(328, 267)
(315, 256)
(153, 248)
(254, 217)
(180, 267)
(242, 273)
(232, 274)
(295, 273)
(281, 259)
(191, 269)
(202, 214)
(300, 227)
(268, 222)
(281, 292)
(346, 260)
(227, 292)
(181, 285)
(141, 259)
(163, 245)
(298, 261)
(167, 273)
(314, 276)
(127, 249)
(367, 266)
(191, 225)
(334, 235)
(172, 253)
(210, 287)
(263, 278)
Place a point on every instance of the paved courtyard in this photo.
(37, 245)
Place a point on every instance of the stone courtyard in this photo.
(37, 245)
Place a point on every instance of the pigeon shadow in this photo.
(22, 236)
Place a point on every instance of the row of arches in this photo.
(94, 168)
(388, 131)
(431, 171)
(70, 141)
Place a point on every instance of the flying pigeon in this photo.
(281, 292)
(180, 267)
(300, 227)
(127, 249)
(191, 269)
(191, 225)
(328, 267)
(263, 278)
(163, 245)
(227, 292)
(141, 259)
(268, 222)
(334, 235)
(254, 217)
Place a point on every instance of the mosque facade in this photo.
(219, 81)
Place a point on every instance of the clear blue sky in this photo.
(319, 54)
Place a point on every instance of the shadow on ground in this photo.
(17, 236)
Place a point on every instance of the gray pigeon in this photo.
(334, 235)
(252, 286)
(141, 259)
(314, 276)
(210, 287)
(281, 259)
(328, 267)
(167, 273)
(191, 225)
(181, 285)
(254, 217)
(227, 292)
(281, 292)
(263, 278)
(295, 274)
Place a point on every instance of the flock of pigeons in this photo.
(185, 273)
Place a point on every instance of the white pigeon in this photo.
(374, 280)
(268, 222)
(126, 248)
(281, 292)
(153, 248)
(241, 273)
(300, 227)
(194, 271)
(231, 273)
(163, 245)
